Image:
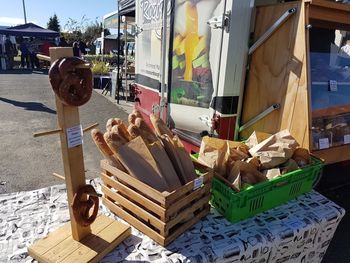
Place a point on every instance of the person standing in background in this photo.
(82, 47)
(76, 49)
(63, 42)
(24, 54)
(11, 52)
(33, 50)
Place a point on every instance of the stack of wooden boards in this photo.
(159, 160)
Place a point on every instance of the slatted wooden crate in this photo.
(161, 216)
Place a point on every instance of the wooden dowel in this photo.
(88, 128)
(47, 58)
(43, 57)
(59, 176)
(38, 134)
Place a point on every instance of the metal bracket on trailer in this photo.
(259, 116)
(272, 29)
(222, 21)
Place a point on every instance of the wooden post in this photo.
(73, 160)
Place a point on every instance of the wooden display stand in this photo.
(73, 242)
(280, 72)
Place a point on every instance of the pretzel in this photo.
(82, 207)
(73, 86)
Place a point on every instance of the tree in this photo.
(93, 31)
(54, 24)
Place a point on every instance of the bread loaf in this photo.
(165, 166)
(114, 141)
(146, 132)
(111, 122)
(186, 161)
(160, 127)
(103, 147)
(139, 162)
(122, 131)
(133, 116)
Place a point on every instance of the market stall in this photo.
(28, 30)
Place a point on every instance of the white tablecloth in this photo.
(299, 231)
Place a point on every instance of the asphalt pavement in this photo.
(27, 106)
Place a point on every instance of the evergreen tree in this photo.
(54, 24)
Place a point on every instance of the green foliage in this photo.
(85, 29)
(92, 31)
(54, 23)
(110, 59)
(100, 68)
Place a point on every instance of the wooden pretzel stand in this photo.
(76, 242)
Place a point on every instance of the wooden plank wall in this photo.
(278, 74)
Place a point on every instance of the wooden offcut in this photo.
(60, 246)
(162, 216)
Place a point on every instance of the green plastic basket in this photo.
(263, 196)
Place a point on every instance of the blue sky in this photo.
(39, 11)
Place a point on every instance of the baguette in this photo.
(103, 147)
(165, 166)
(134, 131)
(139, 162)
(111, 122)
(122, 131)
(114, 141)
(160, 127)
(186, 161)
(146, 132)
(133, 116)
(174, 158)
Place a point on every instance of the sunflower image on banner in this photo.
(191, 73)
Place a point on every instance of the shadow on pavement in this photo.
(31, 106)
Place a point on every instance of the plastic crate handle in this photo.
(280, 184)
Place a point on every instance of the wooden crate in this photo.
(161, 216)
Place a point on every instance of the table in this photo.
(299, 231)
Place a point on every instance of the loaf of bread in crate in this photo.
(103, 147)
(160, 127)
(140, 163)
(111, 122)
(133, 116)
(146, 132)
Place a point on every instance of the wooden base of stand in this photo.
(59, 246)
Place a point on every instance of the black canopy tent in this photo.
(28, 30)
(125, 8)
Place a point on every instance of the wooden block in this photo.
(59, 246)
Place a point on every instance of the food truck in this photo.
(228, 68)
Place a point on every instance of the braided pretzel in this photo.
(72, 85)
(82, 208)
